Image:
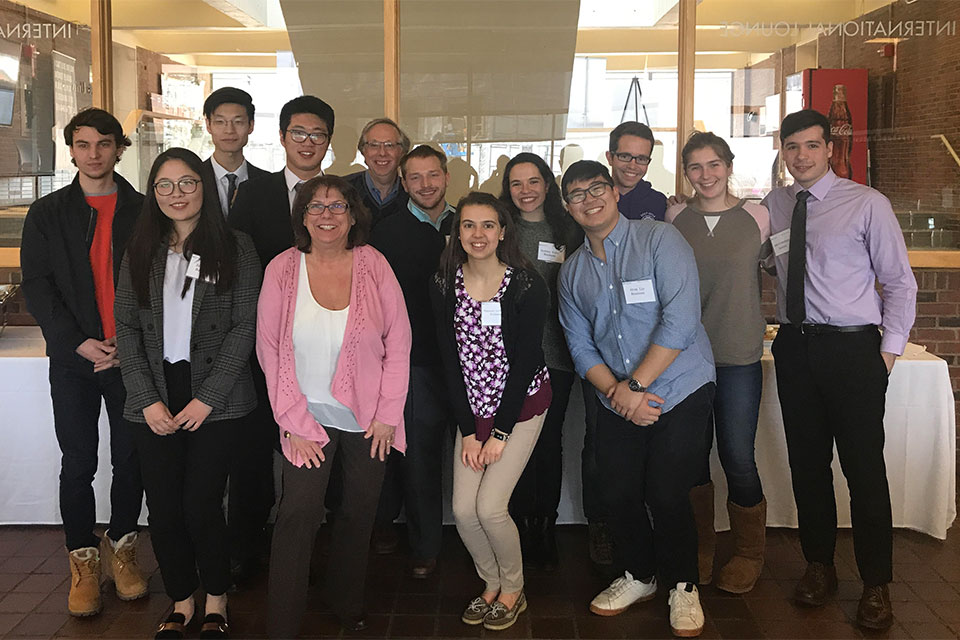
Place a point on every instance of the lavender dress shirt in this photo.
(853, 241)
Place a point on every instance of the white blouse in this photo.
(177, 311)
(317, 337)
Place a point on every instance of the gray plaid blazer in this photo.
(222, 337)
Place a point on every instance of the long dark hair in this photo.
(508, 249)
(210, 239)
(566, 232)
(359, 213)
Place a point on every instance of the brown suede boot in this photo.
(84, 598)
(121, 566)
(749, 527)
(701, 499)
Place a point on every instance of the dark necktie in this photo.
(231, 189)
(797, 262)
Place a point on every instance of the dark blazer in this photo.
(223, 333)
(378, 211)
(55, 260)
(252, 172)
(262, 211)
(524, 312)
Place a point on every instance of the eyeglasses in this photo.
(597, 189)
(299, 135)
(236, 123)
(336, 208)
(381, 146)
(629, 157)
(186, 186)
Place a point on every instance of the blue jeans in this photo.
(736, 409)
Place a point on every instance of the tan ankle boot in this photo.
(749, 527)
(120, 565)
(701, 499)
(84, 598)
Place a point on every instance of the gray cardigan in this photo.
(222, 337)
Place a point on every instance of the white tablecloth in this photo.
(920, 450)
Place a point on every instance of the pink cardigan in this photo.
(373, 369)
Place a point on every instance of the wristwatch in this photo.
(502, 436)
(635, 385)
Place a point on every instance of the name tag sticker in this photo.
(635, 291)
(780, 242)
(490, 314)
(548, 252)
(193, 269)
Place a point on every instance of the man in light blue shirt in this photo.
(630, 308)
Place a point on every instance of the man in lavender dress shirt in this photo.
(833, 241)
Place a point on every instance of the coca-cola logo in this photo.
(845, 129)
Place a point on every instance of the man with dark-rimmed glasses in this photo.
(631, 149)
(262, 210)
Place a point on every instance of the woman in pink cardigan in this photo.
(333, 339)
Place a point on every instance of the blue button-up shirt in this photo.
(423, 216)
(372, 188)
(602, 328)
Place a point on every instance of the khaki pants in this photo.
(480, 502)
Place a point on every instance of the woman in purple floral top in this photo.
(491, 307)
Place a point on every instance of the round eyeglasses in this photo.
(186, 186)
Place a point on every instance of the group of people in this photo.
(355, 323)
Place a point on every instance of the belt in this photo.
(809, 329)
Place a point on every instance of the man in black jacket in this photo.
(262, 210)
(229, 115)
(412, 241)
(382, 144)
(70, 253)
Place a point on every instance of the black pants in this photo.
(832, 389)
(537, 493)
(592, 491)
(655, 467)
(298, 520)
(414, 478)
(251, 492)
(76, 392)
(184, 475)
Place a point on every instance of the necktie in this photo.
(797, 262)
(231, 189)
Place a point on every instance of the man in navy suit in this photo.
(262, 210)
(229, 115)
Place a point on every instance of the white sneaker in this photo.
(686, 615)
(622, 592)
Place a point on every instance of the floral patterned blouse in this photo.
(483, 358)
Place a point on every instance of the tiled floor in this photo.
(926, 594)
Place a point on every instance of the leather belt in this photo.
(809, 329)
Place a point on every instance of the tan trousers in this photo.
(480, 502)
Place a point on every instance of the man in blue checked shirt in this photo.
(630, 308)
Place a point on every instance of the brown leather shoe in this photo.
(423, 568)
(875, 610)
(816, 585)
(385, 540)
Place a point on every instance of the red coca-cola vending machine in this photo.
(841, 95)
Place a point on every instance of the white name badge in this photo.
(780, 242)
(490, 314)
(548, 252)
(635, 291)
(193, 270)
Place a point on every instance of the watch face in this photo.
(635, 386)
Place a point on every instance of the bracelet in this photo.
(502, 436)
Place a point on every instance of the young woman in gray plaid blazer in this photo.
(186, 308)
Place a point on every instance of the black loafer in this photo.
(214, 626)
(173, 627)
(354, 623)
